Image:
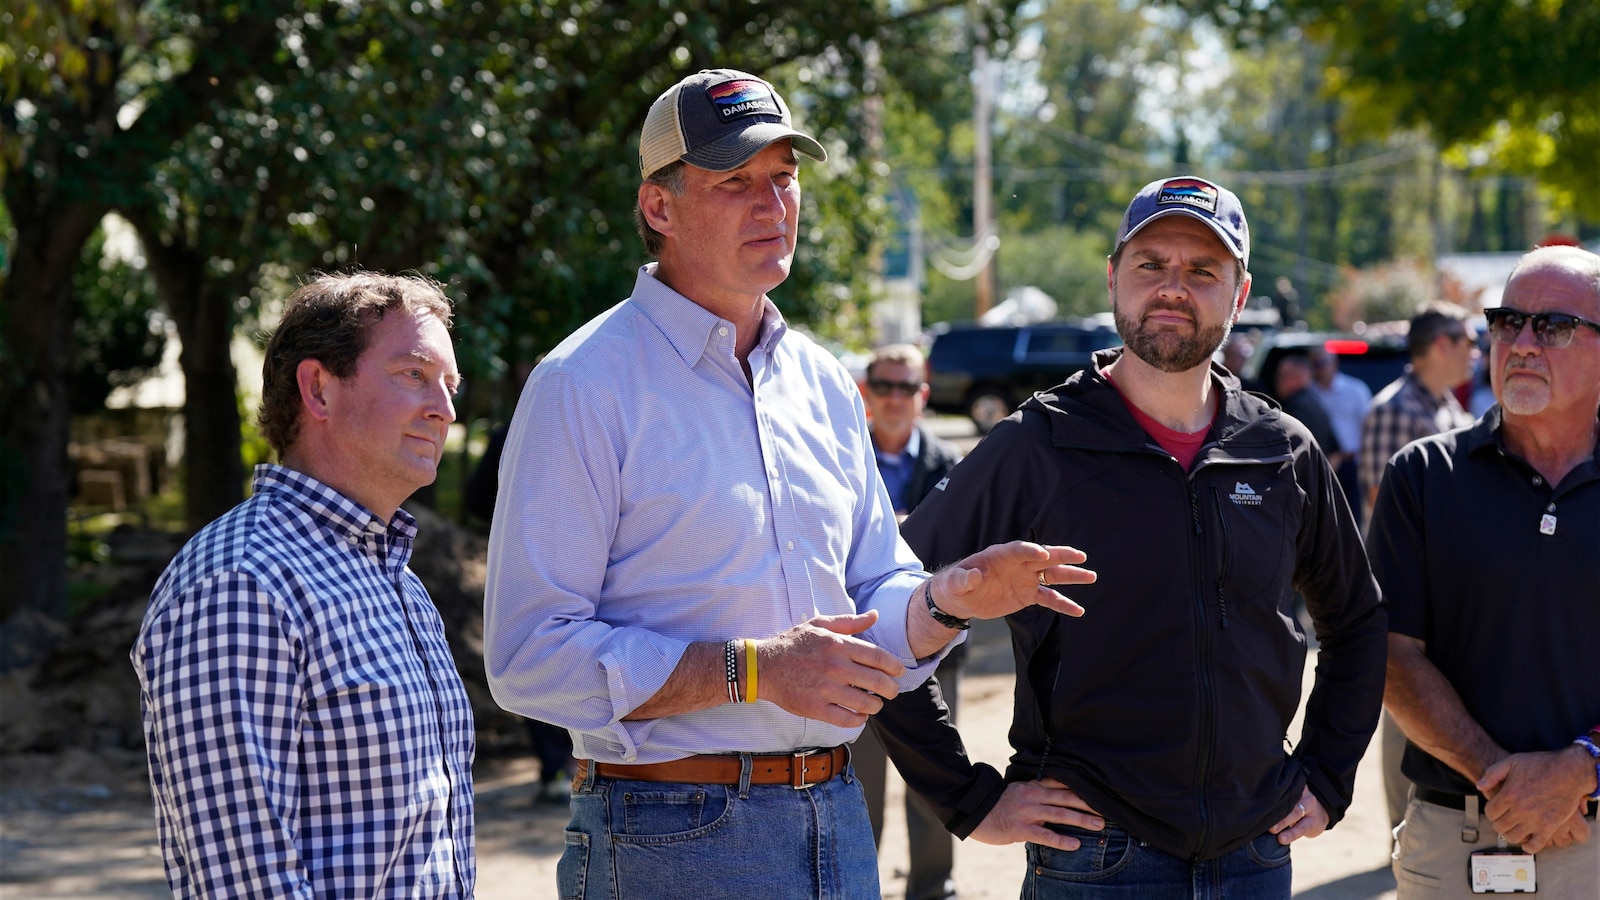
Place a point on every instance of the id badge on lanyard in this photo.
(1502, 870)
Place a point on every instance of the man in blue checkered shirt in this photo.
(307, 732)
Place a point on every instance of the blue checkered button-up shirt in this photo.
(307, 732)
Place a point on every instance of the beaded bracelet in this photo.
(730, 655)
(1594, 750)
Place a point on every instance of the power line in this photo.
(963, 263)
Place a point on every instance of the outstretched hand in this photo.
(1004, 578)
(1028, 807)
(820, 670)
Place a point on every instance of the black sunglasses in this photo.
(884, 388)
(1553, 330)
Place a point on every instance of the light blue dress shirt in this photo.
(651, 497)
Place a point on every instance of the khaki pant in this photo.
(1396, 786)
(1430, 859)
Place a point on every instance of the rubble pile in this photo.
(70, 685)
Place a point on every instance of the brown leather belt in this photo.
(798, 770)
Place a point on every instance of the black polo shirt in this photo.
(1498, 573)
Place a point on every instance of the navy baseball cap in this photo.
(717, 119)
(1196, 198)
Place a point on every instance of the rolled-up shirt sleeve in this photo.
(548, 653)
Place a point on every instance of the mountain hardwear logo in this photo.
(1244, 495)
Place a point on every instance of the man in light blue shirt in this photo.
(694, 566)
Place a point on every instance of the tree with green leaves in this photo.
(118, 333)
(71, 74)
(1517, 83)
(487, 143)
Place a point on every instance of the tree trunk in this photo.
(202, 311)
(215, 481)
(38, 309)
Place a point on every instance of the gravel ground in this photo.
(76, 824)
(79, 825)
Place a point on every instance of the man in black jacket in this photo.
(1293, 389)
(1166, 708)
(911, 460)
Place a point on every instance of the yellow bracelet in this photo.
(750, 669)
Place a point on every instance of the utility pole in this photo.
(982, 187)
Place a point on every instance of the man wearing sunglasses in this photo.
(1486, 540)
(911, 460)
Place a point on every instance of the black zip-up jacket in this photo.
(1167, 705)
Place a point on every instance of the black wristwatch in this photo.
(939, 615)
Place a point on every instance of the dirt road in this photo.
(518, 841)
(78, 825)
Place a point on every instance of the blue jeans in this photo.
(641, 839)
(1113, 865)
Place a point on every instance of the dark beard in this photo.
(1170, 351)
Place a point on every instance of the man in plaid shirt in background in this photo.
(307, 732)
(1418, 404)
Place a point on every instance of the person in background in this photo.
(1442, 348)
(308, 733)
(1165, 709)
(911, 460)
(1236, 351)
(693, 564)
(1346, 400)
(1482, 396)
(1486, 540)
(1418, 404)
(1292, 386)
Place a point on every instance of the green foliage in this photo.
(1073, 149)
(1318, 197)
(1068, 265)
(253, 448)
(1384, 293)
(1517, 82)
(118, 340)
(492, 146)
(488, 143)
(54, 49)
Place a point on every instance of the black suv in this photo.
(1376, 359)
(983, 372)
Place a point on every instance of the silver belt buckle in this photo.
(798, 770)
